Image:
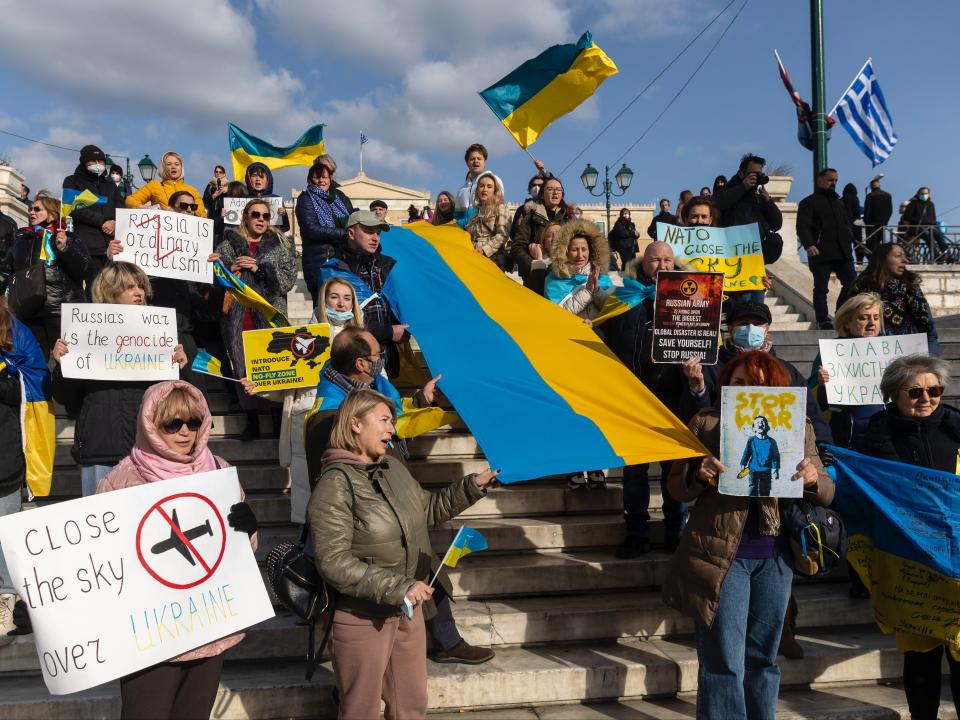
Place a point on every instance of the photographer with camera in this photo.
(744, 200)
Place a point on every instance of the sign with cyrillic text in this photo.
(123, 580)
(735, 251)
(118, 342)
(286, 358)
(856, 365)
(166, 244)
(233, 209)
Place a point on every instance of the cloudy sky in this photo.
(141, 78)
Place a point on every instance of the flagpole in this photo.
(855, 78)
(444, 558)
(361, 152)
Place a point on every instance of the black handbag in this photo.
(817, 536)
(28, 291)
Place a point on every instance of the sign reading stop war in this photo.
(735, 251)
(118, 342)
(286, 358)
(166, 244)
(686, 317)
(233, 209)
(856, 365)
(127, 579)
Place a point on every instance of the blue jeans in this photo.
(636, 502)
(738, 296)
(90, 477)
(738, 676)
(9, 504)
(821, 271)
(442, 627)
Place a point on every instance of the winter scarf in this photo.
(905, 310)
(327, 210)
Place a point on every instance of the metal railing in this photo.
(923, 244)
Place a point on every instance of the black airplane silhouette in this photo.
(175, 543)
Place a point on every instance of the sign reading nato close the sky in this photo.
(127, 579)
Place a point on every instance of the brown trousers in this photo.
(376, 659)
(172, 690)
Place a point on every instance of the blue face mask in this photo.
(924, 197)
(749, 336)
(338, 317)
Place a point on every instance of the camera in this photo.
(762, 179)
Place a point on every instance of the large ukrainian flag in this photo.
(548, 86)
(246, 149)
(537, 388)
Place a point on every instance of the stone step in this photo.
(231, 449)
(631, 668)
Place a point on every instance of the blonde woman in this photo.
(159, 191)
(105, 410)
(489, 220)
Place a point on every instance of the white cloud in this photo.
(45, 167)
(652, 18)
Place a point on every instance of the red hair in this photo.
(761, 367)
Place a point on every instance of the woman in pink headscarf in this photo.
(172, 434)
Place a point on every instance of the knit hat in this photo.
(89, 153)
(755, 310)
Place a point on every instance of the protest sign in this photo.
(762, 440)
(285, 358)
(233, 209)
(686, 317)
(735, 251)
(118, 342)
(856, 365)
(124, 580)
(166, 244)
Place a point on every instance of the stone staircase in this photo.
(578, 632)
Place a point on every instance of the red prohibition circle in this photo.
(216, 564)
(293, 344)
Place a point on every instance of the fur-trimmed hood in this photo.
(599, 249)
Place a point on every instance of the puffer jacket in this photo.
(712, 535)
(534, 219)
(372, 546)
(88, 221)
(931, 442)
(159, 191)
(64, 278)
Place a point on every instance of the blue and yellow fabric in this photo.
(37, 424)
(620, 300)
(901, 523)
(466, 541)
(47, 255)
(204, 362)
(519, 369)
(246, 149)
(331, 269)
(548, 86)
(247, 296)
(72, 199)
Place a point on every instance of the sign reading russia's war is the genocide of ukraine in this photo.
(856, 365)
(118, 342)
(127, 579)
(735, 251)
(166, 244)
(286, 358)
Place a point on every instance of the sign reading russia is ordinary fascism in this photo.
(166, 244)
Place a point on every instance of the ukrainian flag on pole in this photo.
(247, 296)
(72, 199)
(246, 149)
(550, 85)
(466, 541)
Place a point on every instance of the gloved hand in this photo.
(242, 518)
(21, 619)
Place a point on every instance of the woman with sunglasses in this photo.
(173, 429)
(256, 253)
(917, 428)
(548, 208)
(65, 260)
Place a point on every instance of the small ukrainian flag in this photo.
(246, 149)
(204, 362)
(466, 541)
(75, 199)
(247, 296)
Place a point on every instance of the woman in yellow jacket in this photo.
(159, 192)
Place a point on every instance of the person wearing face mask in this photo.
(533, 195)
(93, 225)
(159, 190)
(920, 220)
(123, 185)
(623, 239)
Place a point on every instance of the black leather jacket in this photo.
(64, 277)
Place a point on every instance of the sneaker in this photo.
(632, 547)
(825, 325)
(464, 653)
(7, 602)
(596, 479)
(576, 481)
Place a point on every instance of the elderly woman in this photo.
(158, 192)
(173, 430)
(322, 211)
(731, 572)
(918, 429)
(369, 521)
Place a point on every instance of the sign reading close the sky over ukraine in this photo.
(118, 342)
(686, 317)
(166, 244)
(286, 358)
(856, 365)
(735, 251)
(233, 209)
(762, 440)
(124, 580)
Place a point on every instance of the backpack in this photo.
(817, 536)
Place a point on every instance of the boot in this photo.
(252, 430)
(789, 647)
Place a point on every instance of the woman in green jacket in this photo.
(369, 520)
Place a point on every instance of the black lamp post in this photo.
(147, 169)
(623, 177)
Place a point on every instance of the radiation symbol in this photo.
(689, 287)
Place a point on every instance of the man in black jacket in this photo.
(877, 209)
(920, 219)
(744, 200)
(823, 228)
(663, 216)
(94, 224)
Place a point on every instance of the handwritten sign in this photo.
(124, 580)
(233, 209)
(686, 317)
(735, 251)
(118, 342)
(856, 365)
(762, 440)
(166, 244)
(285, 358)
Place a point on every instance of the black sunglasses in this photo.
(915, 393)
(192, 207)
(257, 215)
(173, 426)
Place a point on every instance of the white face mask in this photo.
(96, 168)
(115, 178)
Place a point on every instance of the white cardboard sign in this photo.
(124, 580)
(233, 209)
(166, 244)
(856, 365)
(118, 342)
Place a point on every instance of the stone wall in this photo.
(941, 286)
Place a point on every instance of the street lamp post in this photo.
(623, 177)
(146, 167)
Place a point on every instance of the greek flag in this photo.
(363, 138)
(863, 112)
